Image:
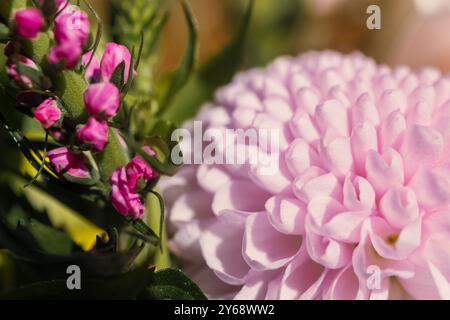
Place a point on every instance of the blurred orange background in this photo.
(413, 32)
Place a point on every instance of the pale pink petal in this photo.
(384, 171)
(221, 245)
(302, 279)
(313, 183)
(358, 195)
(287, 215)
(266, 248)
(239, 195)
(399, 207)
(330, 253)
(300, 156)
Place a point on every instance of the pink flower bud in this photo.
(66, 162)
(71, 34)
(123, 199)
(67, 53)
(93, 133)
(28, 22)
(92, 73)
(47, 113)
(102, 100)
(72, 25)
(20, 79)
(137, 169)
(113, 56)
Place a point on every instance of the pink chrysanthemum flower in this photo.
(359, 207)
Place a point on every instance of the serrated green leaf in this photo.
(172, 284)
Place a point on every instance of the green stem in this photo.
(162, 257)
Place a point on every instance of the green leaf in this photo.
(37, 49)
(174, 285)
(159, 138)
(91, 180)
(48, 239)
(218, 71)
(178, 79)
(113, 156)
(36, 76)
(141, 22)
(70, 86)
(117, 77)
(147, 234)
(124, 286)
(4, 33)
(34, 229)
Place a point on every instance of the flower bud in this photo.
(13, 72)
(137, 169)
(48, 113)
(93, 133)
(102, 100)
(72, 25)
(67, 54)
(71, 34)
(114, 55)
(92, 73)
(28, 22)
(123, 199)
(66, 162)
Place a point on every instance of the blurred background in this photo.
(412, 31)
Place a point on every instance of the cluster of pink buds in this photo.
(71, 35)
(101, 98)
(127, 181)
(69, 54)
